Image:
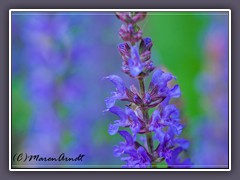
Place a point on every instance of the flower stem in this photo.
(142, 86)
(146, 117)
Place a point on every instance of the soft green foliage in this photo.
(176, 39)
(20, 108)
(67, 138)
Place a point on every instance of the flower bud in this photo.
(130, 33)
(125, 51)
(145, 45)
(124, 16)
(139, 16)
(127, 18)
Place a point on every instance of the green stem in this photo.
(142, 86)
(146, 117)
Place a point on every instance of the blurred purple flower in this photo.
(212, 139)
(57, 54)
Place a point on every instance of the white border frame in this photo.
(110, 10)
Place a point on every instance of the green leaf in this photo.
(21, 109)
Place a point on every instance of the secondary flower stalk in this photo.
(163, 126)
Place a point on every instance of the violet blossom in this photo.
(164, 124)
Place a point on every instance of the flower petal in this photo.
(161, 78)
(113, 129)
(118, 82)
(118, 111)
(171, 112)
(135, 123)
(131, 114)
(154, 120)
(182, 143)
(155, 77)
(173, 159)
(127, 137)
(159, 134)
(177, 128)
(110, 101)
(134, 62)
(118, 150)
(147, 98)
(175, 92)
(144, 154)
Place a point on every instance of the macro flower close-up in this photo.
(122, 90)
(164, 122)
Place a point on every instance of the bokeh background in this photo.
(60, 58)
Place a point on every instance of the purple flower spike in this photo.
(164, 124)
